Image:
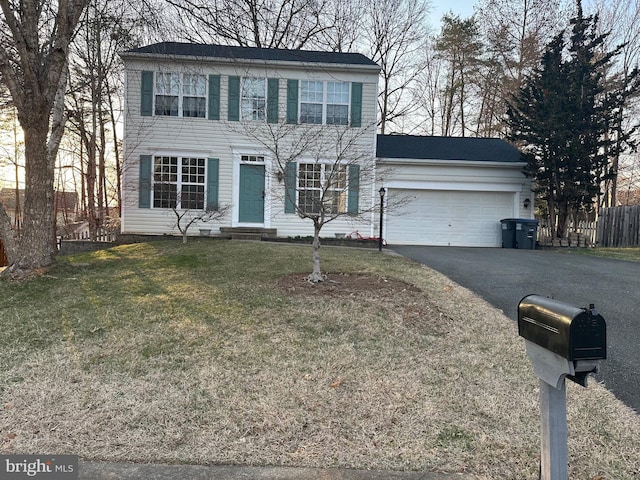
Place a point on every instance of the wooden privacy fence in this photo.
(619, 227)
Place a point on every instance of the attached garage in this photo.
(450, 218)
(450, 191)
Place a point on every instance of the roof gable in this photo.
(447, 148)
(249, 53)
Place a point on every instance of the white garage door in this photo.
(450, 218)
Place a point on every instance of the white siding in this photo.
(224, 140)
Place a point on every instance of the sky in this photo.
(463, 8)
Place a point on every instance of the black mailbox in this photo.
(573, 333)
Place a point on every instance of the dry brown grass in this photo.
(392, 367)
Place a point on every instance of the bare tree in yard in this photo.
(186, 218)
(34, 48)
(94, 79)
(621, 20)
(326, 172)
(249, 23)
(517, 32)
(514, 33)
(427, 96)
(346, 21)
(396, 36)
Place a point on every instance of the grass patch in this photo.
(628, 254)
(218, 352)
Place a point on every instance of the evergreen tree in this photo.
(564, 120)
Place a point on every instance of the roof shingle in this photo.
(251, 53)
(446, 148)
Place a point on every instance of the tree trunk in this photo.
(36, 247)
(116, 149)
(563, 217)
(316, 275)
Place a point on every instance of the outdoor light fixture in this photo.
(382, 191)
(527, 202)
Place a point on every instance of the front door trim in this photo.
(238, 154)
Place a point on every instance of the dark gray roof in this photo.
(446, 148)
(250, 53)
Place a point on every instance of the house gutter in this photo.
(443, 162)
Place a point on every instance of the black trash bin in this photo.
(519, 233)
(526, 232)
(508, 232)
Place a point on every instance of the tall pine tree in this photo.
(564, 118)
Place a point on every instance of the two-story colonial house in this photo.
(259, 132)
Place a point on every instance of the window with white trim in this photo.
(253, 99)
(167, 93)
(322, 187)
(180, 95)
(324, 102)
(194, 95)
(337, 103)
(311, 100)
(179, 182)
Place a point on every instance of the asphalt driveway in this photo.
(503, 276)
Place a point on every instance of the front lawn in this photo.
(218, 352)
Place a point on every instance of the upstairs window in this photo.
(180, 95)
(311, 102)
(324, 102)
(194, 95)
(167, 93)
(253, 101)
(337, 103)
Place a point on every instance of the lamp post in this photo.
(382, 191)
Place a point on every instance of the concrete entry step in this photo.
(248, 233)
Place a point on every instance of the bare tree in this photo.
(34, 48)
(517, 32)
(185, 219)
(620, 20)
(427, 94)
(514, 34)
(94, 84)
(290, 24)
(325, 170)
(397, 32)
(346, 21)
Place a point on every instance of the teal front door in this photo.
(251, 198)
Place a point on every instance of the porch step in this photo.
(246, 236)
(248, 233)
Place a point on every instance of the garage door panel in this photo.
(456, 218)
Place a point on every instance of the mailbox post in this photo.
(563, 342)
